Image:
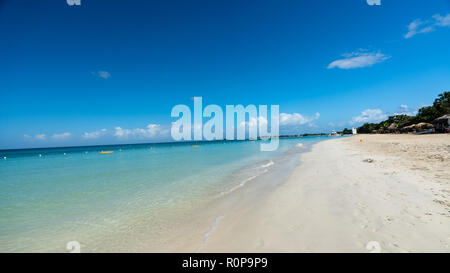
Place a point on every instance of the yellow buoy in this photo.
(107, 152)
(195, 146)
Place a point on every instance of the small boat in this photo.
(107, 152)
(195, 146)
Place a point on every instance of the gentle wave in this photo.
(240, 185)
(268, 164)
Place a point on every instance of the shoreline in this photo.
(188, 229)
(331, 195)
(194, 233)
(337, 201)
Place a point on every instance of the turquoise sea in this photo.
(51, 196)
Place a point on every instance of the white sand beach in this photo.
(391, 189)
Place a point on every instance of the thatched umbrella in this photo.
(424, 126)
(393, 126)
(409, 128)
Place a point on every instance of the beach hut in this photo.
(408, 129)
(442, 124)
(420, 127)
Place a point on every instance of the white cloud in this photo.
(369, 115)
(253, 122)
(37, 137)
(405, 110)
(358, 60)
(442, 21)
(152, 130)
(286, 120)
(61, 136)
(419, 26)
(40, 136)
(296, 119)
(102, 74)
(94, 135)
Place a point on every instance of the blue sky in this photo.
(111, 71)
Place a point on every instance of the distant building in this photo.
(334, 133)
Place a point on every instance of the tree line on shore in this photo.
(425, 115)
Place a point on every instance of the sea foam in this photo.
(268, 164)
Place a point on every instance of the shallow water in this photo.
(51, 196)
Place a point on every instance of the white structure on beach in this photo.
(354, 131)
(334, 133)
